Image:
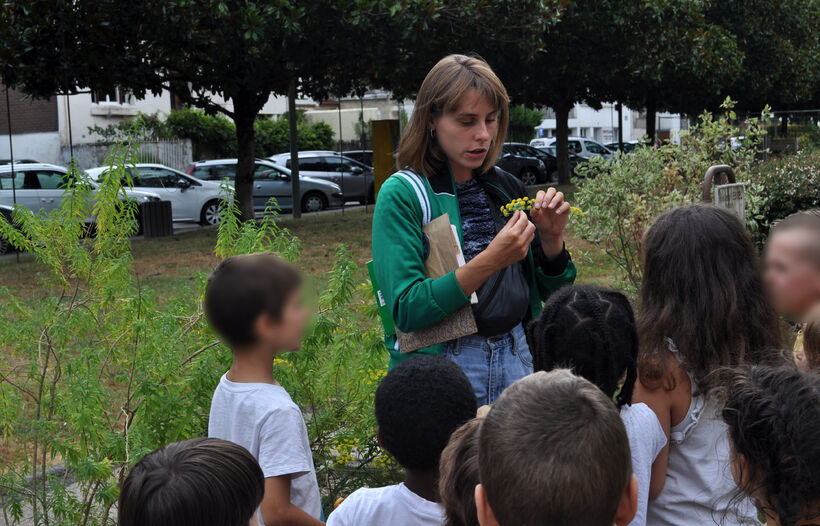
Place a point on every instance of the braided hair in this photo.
(592, 331)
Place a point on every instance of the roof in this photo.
(28, 166)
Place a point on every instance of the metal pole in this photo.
(362, 137)
(11, 159)
(340, 155)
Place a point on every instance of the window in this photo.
(112, 96)
(150, 177)
(215, 172)
(47, 180)
(7, 182)
(594, 147)
(574, 146)
(315, 164)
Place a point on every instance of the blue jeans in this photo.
(491, 364)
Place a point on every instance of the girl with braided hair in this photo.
(592, 331)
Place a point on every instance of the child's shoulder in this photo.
(261, 397)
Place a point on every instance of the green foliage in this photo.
(273, 136)
(621, 199)
(98, 373)
(211, 135)
(790, 183)
(523, 121)
(143, 127)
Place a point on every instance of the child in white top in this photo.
(418, 406)
(592, 331)
(702, 308)
(253, 302)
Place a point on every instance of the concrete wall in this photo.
(43, 147)
(349, 119)
(86, 113)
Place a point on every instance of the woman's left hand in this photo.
(550, 213)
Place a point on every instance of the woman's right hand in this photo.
(509, 246)
(512, 243)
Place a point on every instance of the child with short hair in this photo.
(418, 406)
(592, 331)
(553, 450)
(773, 416)
(459, 475)
(190, 483)
(793, 268)
(254, 303)
(702, 307)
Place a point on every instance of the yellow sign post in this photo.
(385, 143)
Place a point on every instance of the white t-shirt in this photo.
(387, 506)
(264, 420)
(646, 440)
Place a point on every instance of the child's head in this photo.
(590, 330)
(254, 300)
(198, 481)
(773, 416)
(418, 406)
(811, 339)
(702, 289)
(553, 450)
(793, 263)
(458, 475)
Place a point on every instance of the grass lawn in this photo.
(171, 266)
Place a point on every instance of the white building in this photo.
(602, 125)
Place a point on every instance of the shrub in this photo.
(523, 121)
(99, 372)
(211, 135)
(143, 127)
(621, 198)
(790, 183)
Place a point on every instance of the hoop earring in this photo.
(432, 133)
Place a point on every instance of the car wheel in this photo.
(210, 213)
(313, 202)
(529, 176)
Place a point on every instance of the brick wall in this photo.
(27, 115)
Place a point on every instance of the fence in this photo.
(176, 153)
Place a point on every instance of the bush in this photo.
(273, 136)
(143, 127)
(211, 135)
(621, 198)
(790, 183)
(523, 122)
(99, 372)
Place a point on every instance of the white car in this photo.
(580, 146)
(191, 199)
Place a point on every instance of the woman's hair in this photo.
(194, 482)
(458, 475)
(592, 331)
(702, 289)
(773, 416)
(811, 339)
(443, 89)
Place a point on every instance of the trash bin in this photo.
(156, 219)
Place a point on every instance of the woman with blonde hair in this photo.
(446, 162)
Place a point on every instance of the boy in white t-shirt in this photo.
(254, 303)
(418, 406)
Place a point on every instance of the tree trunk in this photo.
(620, 127)
(244, 115)
(296, 191)
(651, 117)
(561, 142)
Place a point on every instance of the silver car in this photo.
(354, 178)
(272, 180)
(191, 199)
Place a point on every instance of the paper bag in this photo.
(445, 256)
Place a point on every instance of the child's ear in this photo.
(486, 517)
(628, 506)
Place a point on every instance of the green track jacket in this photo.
(406, 201)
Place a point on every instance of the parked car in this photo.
(525, 150)
(191, 199)
(580, 146)
(523, 164)
(272, 180)
(629, 146)
(354, 178)
(41, 186)
(363, 156)
(18, 161)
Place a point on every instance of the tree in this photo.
(523, 121)
(780, 43)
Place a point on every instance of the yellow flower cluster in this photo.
(522, 203)
(346, 450)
